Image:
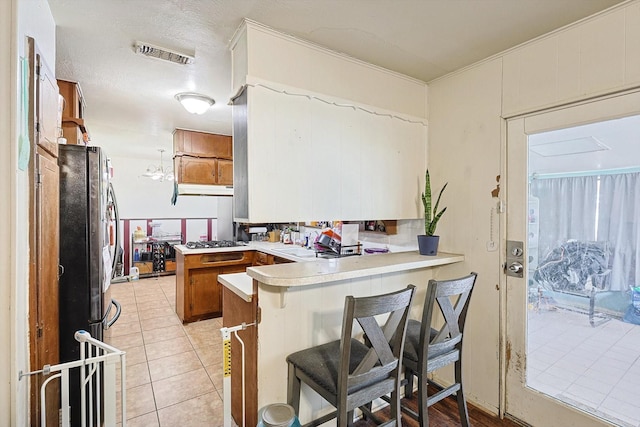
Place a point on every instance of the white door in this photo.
(553, 390)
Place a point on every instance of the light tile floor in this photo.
(174, 371)
(596, 369)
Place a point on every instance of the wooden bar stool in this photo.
(350, 373)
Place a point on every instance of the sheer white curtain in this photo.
(570, 208)
(567, 210)
(619, 214)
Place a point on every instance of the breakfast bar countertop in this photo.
(334, 269)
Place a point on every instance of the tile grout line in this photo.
(146, 356)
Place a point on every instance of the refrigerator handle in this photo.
(116, 251)
(115, 317)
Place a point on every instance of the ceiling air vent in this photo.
(162, 53)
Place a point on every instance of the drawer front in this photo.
(144, 267)
(216, 259)
(262, 259)
(169, 266)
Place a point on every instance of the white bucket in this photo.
(134, 273)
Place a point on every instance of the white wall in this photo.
(591, 58)
(7, 165)
(141, 197)
(598, 56)
(18, 19)
(464, 130)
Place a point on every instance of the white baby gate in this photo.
(94, 354)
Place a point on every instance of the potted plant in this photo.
(428, 242)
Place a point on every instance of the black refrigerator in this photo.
(89, 246)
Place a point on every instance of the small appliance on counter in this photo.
(251, 232)
(329, 244)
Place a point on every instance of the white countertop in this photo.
(330, 270)
(278, 249)
(333, 269)
(239, 283)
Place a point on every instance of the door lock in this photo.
(515, 267)
(515, 259)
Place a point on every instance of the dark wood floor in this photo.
(445, 414)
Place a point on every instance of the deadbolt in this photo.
(515, 259)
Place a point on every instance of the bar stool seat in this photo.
(350, 373)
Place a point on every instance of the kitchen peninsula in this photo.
(289, 307)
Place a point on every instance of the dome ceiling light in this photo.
(194, 102)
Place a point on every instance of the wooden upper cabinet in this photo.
(73, 127)
(46, 108)
(202, 158)
(195, 170)
(225, 172)
(203, 144)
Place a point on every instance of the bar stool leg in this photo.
(293, 389)
(462, 404)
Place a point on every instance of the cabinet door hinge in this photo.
(38, 178)
(39, 329)
(258, 315)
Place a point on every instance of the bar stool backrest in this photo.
(386, 342)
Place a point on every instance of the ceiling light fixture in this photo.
(194, 102)
(585, 144)
(159, 173)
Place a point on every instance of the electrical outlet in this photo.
(491, 246)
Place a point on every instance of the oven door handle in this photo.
(116, 316)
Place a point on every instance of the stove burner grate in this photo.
(211, 244)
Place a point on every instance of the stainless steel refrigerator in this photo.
(89, 246)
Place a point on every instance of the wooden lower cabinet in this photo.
(205, 300)
(262, 258)
(198, 293)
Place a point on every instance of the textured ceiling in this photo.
(130, 105)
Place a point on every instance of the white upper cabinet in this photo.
(318, 148)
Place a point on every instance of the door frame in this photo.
(610, 107)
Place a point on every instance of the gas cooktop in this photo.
(212, 244)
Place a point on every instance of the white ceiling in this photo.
(620, 137)
(130, 105)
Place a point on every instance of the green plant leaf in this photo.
(431, 216)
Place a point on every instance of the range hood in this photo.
(204, 190)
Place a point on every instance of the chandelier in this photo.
(159, 173)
